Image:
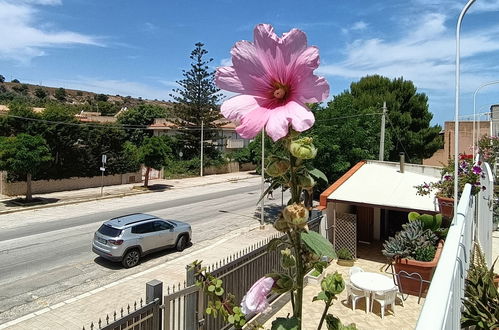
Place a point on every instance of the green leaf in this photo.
(318, 174)
(208, 310)
(219, 291)
(282, 323)
(321, 296)
(333, 323)
(211, 288)
(219, 283)
(318, 244)
(230, 319)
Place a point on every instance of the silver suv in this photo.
(130, 237)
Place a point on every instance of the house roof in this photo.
(381, 184)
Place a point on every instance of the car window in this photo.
(143, 228)
(109, 231)
(161, 225)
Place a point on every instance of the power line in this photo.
(103, 125)
(351, 116)
(398, 138)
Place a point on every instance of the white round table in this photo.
(371, 282)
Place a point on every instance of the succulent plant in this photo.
(410, 242)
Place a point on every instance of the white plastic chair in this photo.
(354, 294)
(385, 299)
(354, 270)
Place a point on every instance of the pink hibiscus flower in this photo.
(255, 300)
(274, 76)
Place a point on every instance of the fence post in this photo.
(190, 301)
(154, 290)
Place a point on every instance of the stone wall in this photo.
(228, 168)
(47, 186)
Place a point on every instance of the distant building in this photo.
(441, 156)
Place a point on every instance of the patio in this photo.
(371, 260)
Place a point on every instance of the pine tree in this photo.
(196, 102)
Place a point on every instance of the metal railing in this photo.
(442, 307)
(184, 308)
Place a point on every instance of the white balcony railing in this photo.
(442, 306)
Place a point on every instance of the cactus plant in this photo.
(413, 237)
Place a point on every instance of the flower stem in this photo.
(299, 278)
(328, 304)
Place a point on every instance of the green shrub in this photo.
(344, 254)
(426, 253)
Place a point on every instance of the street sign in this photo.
(102, 169)
(104, 159)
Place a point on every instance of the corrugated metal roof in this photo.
(381, 184)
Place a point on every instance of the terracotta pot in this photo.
(347, 263)
(446, 206)
(423, 268)
(496, 281)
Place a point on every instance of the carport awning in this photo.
(381, 185)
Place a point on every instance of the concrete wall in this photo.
(465, 141)
(47, 186)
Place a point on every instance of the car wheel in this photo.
(131, 258)
(181, 243)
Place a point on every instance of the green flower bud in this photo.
(303, 148)
(281, 224)
(287, 259)
(333, 283)
(278, 168)
(306, 181)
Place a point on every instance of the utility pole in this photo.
(202, 136)
(262, 223)
(382, 135)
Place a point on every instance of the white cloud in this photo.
(226, 61)
(425, 55)
(22, 40)
(359, 26)
(149, 27)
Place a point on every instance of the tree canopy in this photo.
(196, 101)
(153, 153)
(139, 117)
(24, 155)
(408, 117)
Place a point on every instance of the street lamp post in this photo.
(262, 216)
(456, 110)
(476, 136)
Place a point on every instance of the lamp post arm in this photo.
(456, 110)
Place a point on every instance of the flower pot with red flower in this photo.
(468, 172)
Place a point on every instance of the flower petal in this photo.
(226, 78)
(292, 45)
(265, 38)
(238, 106)
(253, 122)
(252, 73)
(312, 89)
(294, 113)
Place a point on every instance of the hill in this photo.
(38, 96)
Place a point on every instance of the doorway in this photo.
(365, 224)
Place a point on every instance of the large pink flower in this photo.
(255, 300)
(275, 79)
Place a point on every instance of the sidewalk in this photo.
(90, 194)
(88, 307)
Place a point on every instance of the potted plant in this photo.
(345, 258)
(314, 276)
(414, 250)
(468, 172)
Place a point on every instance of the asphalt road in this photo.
(48, 252)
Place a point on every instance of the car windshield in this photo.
(109, 231)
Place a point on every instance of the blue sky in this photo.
(139, 48)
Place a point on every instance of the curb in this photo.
(90, 199)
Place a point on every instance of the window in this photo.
(143, 228)
(109, 231)
(161, 225)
